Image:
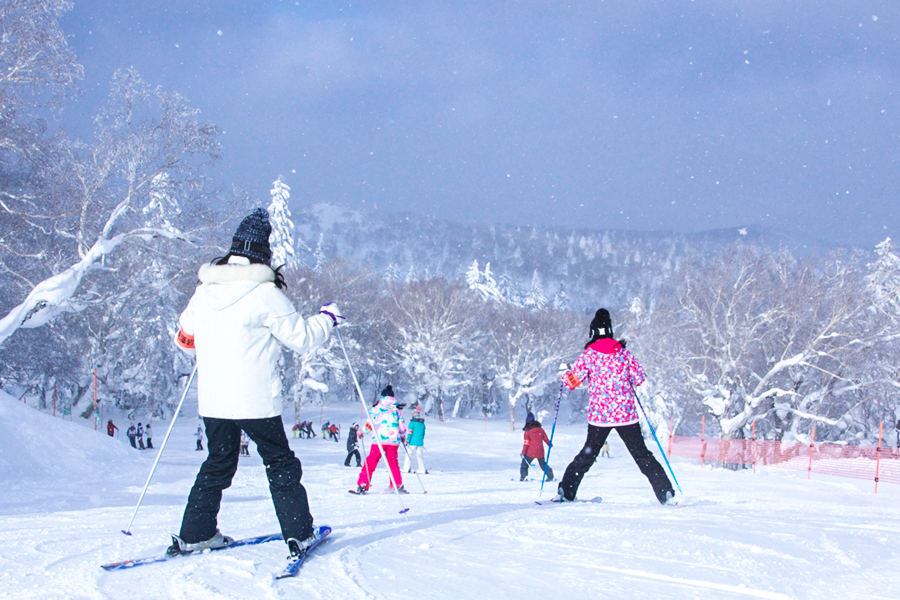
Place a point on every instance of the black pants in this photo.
(282, 468)
(353, 452)
(634, 441)
(523, 468)
(149, 444)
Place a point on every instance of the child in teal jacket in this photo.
(416, 441)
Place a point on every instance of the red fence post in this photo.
(702, 440)
(671, 433)
(878, 455)
(754, 446)
(812, 439)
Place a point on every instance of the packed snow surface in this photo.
(68, 492)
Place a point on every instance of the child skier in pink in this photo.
(611, 373)
(390, 431)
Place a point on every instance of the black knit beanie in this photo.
(601, 326)
(252, 237)
(388, 391)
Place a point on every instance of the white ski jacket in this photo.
(235, 321)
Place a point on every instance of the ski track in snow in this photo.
(476, 534)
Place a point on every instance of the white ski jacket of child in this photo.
(237, 318)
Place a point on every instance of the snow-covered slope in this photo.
(476, 534)
(48, 463)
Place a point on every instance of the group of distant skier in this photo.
(304, 428)
(135, 435)
(235, 324)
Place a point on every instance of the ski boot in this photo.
(298, 547)
(560, 497)
(179, 546)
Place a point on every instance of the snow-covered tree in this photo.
(282, 238)
(482, 282)
(535, 297)
(411, 276)
(884, 280)
(392, 273)
(758, 333)
(433, 320)
(561, 298)
(527, 347)
(319, 255)
(146, 136)
(509, 291)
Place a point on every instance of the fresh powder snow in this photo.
(68, 491)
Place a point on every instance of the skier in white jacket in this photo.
(236, 322)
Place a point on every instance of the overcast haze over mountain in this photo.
(673, 115)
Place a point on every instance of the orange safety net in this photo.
(859, 462)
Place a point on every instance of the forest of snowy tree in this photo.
(101, 240)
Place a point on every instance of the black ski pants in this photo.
(350, 455)
(526, 461)
(282, 468)
(634, 441)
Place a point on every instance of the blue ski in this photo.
(595, 499)
(294, 565)
(137, 562)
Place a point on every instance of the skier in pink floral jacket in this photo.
(612, 373)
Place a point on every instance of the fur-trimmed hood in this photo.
(223, 285)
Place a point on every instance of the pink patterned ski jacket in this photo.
(611, 371)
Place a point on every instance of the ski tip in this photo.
(126, 532)
(404, 511)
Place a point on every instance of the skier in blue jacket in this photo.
(415, 443)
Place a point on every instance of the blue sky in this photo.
(651, 115)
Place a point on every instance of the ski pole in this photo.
(371, 423)
(552, 432)
(409, 458)
(436, 467)
(661, 451)
(127, 530)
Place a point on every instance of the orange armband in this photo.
(185, 341)
(571, 381)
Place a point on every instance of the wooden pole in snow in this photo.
(878, 455)
(812, 440)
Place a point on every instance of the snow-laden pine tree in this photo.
(282, 238)
(561, 298)
(509, 291)
(392, 273)
(319, 255)
(473, 275)
(535, 298)
(483, 282)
